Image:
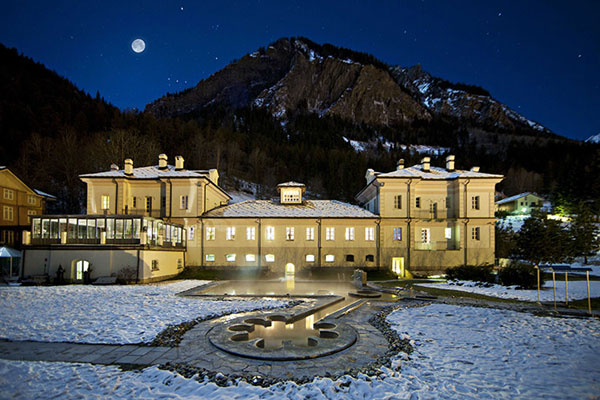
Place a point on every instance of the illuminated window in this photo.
(398, 202)
(191, 232)
(475, 202)
(448, 233)
(329, 258)
(289, 233)
(310, 234)
(8, 213)
(230, 257)
(330, 234)
(250, 257)
(183, 202)
(31, 199)
(397, 233)
(105, 202)
(269, 257)
(475, 233)
(210, 257)
(310, 258)
(250, 233)
(30, 212)
(349, 233)
(230, 233)
(270, 233)
(9, 194)
(210, 233)
(425, 235)
(370, 234)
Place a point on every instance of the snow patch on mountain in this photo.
(593, 139)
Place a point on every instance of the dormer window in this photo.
(291, 192)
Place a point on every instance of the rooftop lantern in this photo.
(291, 192)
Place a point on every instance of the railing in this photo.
(155, 213)
(129, 241)
(433, 214)
(438, 245)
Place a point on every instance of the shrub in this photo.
(479, 273)
(522, 275)
(127, 275)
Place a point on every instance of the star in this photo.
(499, 14)
(181, 8)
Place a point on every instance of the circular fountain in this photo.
(274, 337)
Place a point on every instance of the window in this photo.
(210, 233)
(448, 202)
(154, 265)
(329, 258)
(397, 233)
(210, 257)
(330, 234)
(183, 202)
(269, 257)
(475, 233)
(310, 258)
(448, 233)
(105, 202)
(369, 258)
(289, 233)
(291, 197)
(31, 199)
(418, 202)
(310, 234)
(230, 233)
(191, 232)
(163, 202)
(370, 234)
(270, 233)
(134, 202)
(398, 202)
(8, 213)
(250, 233)
(250, 258)
(425, 235)
(475, 202)
(349, 257)
(349, 233)
(30, 212)
(179, 263)
(9, 194)
(148, 204)
(230, 257)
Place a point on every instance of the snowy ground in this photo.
(106, 314)
(577, 290)
(460, 353)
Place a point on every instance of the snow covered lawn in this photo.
(577, 290)
(460, 353)
(106, 314)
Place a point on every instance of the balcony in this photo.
(441, 245)
(433, 214)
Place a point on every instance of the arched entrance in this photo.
(290, 270)
(78, 268)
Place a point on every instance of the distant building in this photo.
(18, 202)
(521, 203)
(416, 220)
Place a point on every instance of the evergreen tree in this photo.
(543, 240)
(585, 233)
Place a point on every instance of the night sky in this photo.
(541, 58)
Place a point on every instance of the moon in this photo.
(138, 45)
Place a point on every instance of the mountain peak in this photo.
(593, 139)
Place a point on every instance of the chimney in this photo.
(475, 169)
(129, 166)
(426, 163)
(370, 175)
(162, 161)
(450, 163)
(179, 163)
(213, 175)
(400, 164)
(114, 167)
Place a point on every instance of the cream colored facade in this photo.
(415, 221)
(522, 203)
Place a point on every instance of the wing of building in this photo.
(417, 220)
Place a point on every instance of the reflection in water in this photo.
(279, 331)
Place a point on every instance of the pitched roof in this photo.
(416, 171)
(308, 209)
(516, 197)
(291, 184)
(44, 194)
(151, 172)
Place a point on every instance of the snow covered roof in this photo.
(291, 184)
(44, 194)
(308, 209)
(7, 252)
(417, 171)
(516, 197)
(151, 172)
